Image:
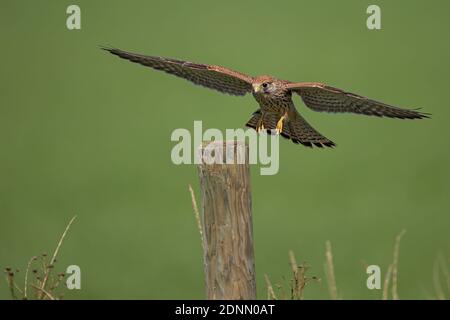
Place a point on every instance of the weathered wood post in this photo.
(229, 263)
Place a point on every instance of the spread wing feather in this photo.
(213, 77)
(323, 98)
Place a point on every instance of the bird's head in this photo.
(265, 85)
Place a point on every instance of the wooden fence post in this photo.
(229, 263)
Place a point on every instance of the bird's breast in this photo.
(273, 103)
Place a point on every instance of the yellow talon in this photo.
(279, 128)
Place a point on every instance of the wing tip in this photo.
(422, 115)
(106, 48)
(411, 115)
(111, 50)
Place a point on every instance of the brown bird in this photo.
(277, 111)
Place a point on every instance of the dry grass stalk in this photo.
(10, 280)
(281, 290)
(441, 276)
(299, 280)
(440, 270)
(197, 213)
(294, 280)
(445, 271)
(296, 284)
(440, 295)
(44, 282)
(395, 295)
(270, 292)
(25, 296)
(48, 294)
(387, 279)
(55, 254)
(329, 268)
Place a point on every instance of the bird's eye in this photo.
(265, 85)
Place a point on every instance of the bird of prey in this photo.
(277, 112)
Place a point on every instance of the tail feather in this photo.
(302, 132)
(295, 128)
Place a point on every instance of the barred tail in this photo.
(295, 128)
(300, 131)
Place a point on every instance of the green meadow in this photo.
(85, 133)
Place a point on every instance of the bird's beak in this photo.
(256, 87)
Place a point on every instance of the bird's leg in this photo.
(260, 125)
(279, 128)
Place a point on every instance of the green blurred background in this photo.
(83, 132)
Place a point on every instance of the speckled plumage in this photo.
(274, 96)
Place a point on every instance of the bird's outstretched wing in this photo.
(213, 77)
(323, 98)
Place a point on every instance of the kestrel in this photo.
(277, 111)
